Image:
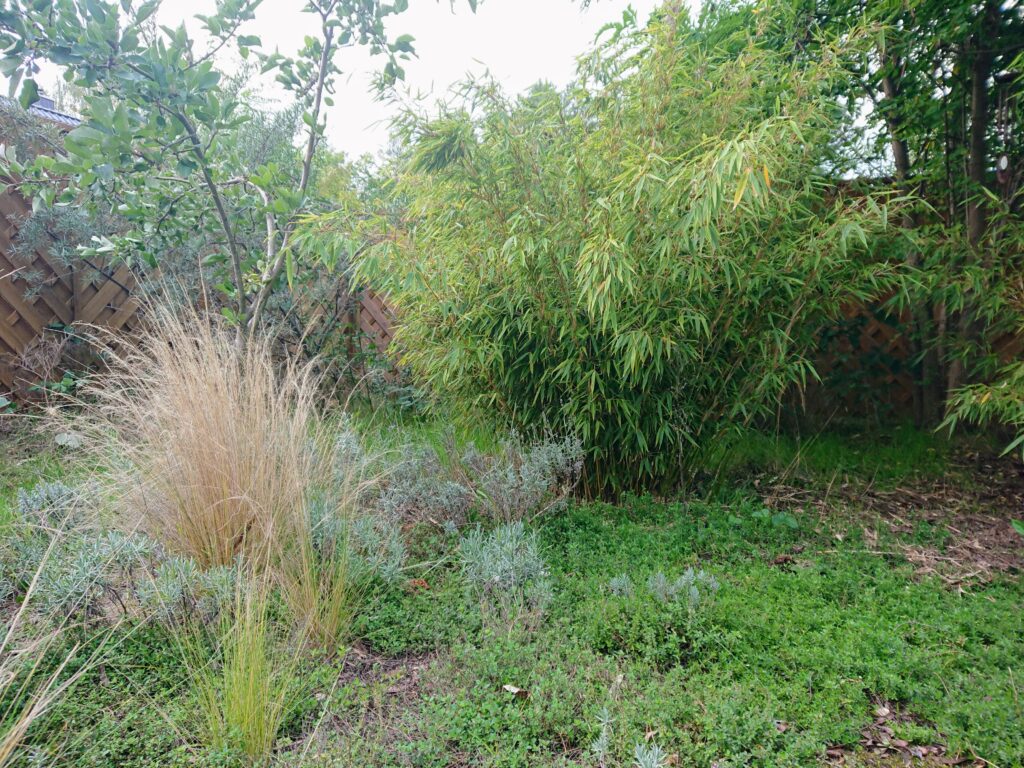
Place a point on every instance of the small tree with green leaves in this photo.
(159, 142)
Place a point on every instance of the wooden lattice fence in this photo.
(41, 297)
(375, 319)
(866, 354)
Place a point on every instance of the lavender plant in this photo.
(219, 590)
(663, 620)
(372, 544)
(523, 481)
(172, 591)
(649, 756)
(419, 487)
(621, 586)
(377, 548)
(506, 573)
(72, 583)
(71, 580)
(692, 586)
(601, 746)
(90, 571)
(517, 482)
(49, 504)
(23, 551)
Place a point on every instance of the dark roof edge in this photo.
(43, 108)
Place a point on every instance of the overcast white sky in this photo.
(518, 41)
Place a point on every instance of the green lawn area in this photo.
(822, 638)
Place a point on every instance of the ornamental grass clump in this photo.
(243, 674)
(216, 450)
(216, 445)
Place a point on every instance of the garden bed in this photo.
(850, 625)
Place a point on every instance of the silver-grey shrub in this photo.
(601, 747)
(52, 504)
(178, 590)
(621, 586)
(377, 548)
(696, 587)
(372, 544)
(506, 572)
(649, 756)
(419, 487)
(171, 592)
(72, 581)
(517, 482)
(86, 567)
(92, 573)
(522, 480)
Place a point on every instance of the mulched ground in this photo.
(973, 505)
(879, 748)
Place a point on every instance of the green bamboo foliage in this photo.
(642, 260)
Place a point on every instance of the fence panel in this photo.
(38, 293)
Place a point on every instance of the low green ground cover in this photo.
(790, 634)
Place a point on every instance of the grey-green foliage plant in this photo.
(378, 548)
(81, 570)
(517, 481)
(177, 590)
(523, 480)
(693, 587)
(368, 538)
(51, 504)
(645, 755)
(663, 620)
(370, 543)
(170, 592)
(649, 756)
(163, 126)
(45, 542)
(418, 486)
(642, 260)
(601, 747)
(506, 572)
(621, 586)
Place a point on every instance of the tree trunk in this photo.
(924, 360)
(980, 68)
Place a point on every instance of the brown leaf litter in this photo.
(879, 746)
(974, 505)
